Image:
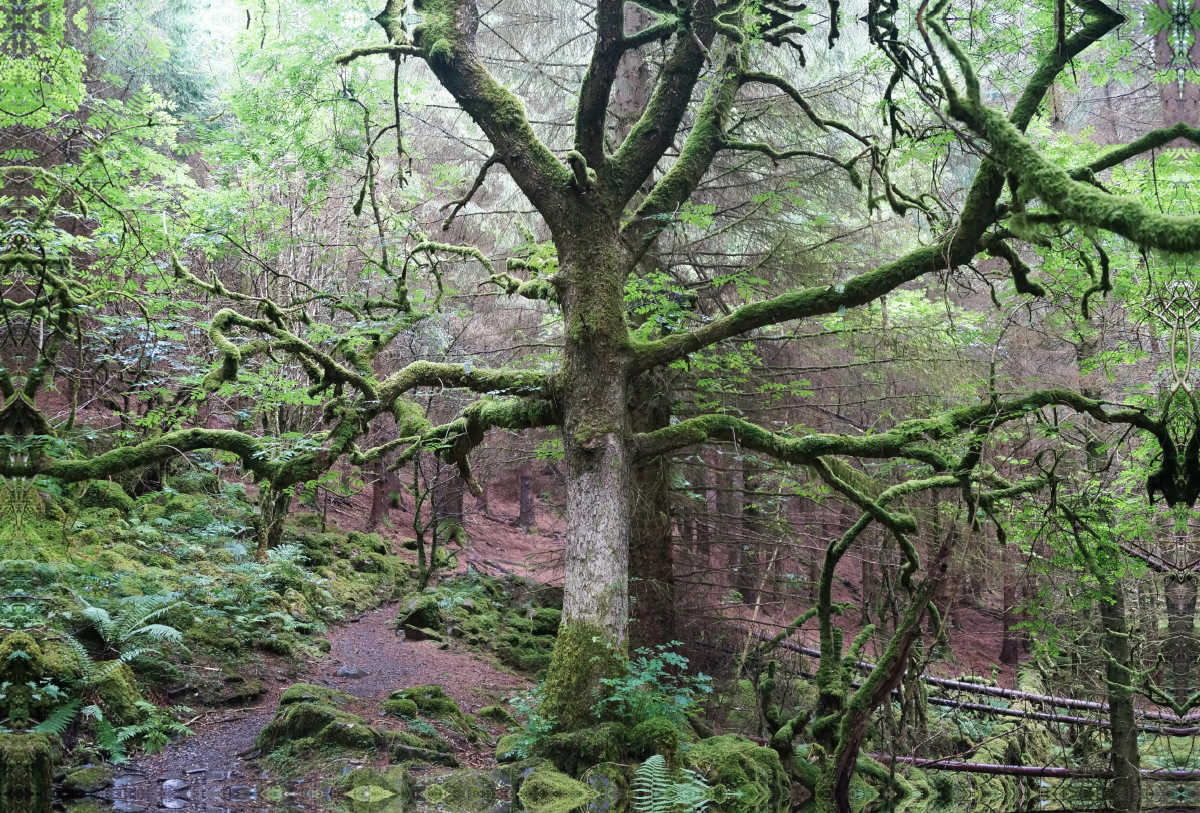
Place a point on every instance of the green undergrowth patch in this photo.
(161, 597)
(516, 619)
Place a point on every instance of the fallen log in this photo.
(1046, 771)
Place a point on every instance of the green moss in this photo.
(497, 714)
(575, 751)
(431, 701)
(88, 780)
(657, 735)
(548, 791)
(421, 612)
(309, 693)
(752, 773)
(301, 718)
(582, 656)
(27, 772)
(400, 708)
(119, 696)
(507, 748)
(405, 747)
(105, 494)
(546, 621)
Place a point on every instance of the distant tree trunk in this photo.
(651, 552)
(272, 511)
(1010, 645)
(482, 502)
(526, 516)
(704, 509)
(379, 496)
(1126, 786)
(870, 578)
(752, 534)
(450, 497)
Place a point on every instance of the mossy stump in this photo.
(27, 772)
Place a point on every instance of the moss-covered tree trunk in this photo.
(597, 441)
(1126, 787)
(273, 507)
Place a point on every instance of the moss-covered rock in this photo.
(420, 612)
(119, 696)
(405, 747)
(431, 701)
(545, 621)
(752, 775)
(105, 494)
(89, 779)
(310, 713)
(546, 790)
(400, 708)
(508, 748)
(575, 751)
(498, 715)
(657, 735)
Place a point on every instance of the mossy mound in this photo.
(89, 779)
(575, 751)
(311, 693)
(498, 715)
(309, 718)
(657, 735)
(546, 790)
(400, 708)
(105, 494)
(420, 613)
(405, 747)
(545, 621)
(753, 776)
(27, 772)
(430, 701)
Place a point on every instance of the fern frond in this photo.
(158, 632)
(58, 721)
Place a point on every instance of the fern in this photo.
(58, 721)
(654, 791)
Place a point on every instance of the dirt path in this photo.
(215, 769)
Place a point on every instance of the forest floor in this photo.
(218, 769)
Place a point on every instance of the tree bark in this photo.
(1010, 646)
(1126, 787)
(379, 497)
(1181, 632)
(752, 534)
(526, 514)
(597, 443)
